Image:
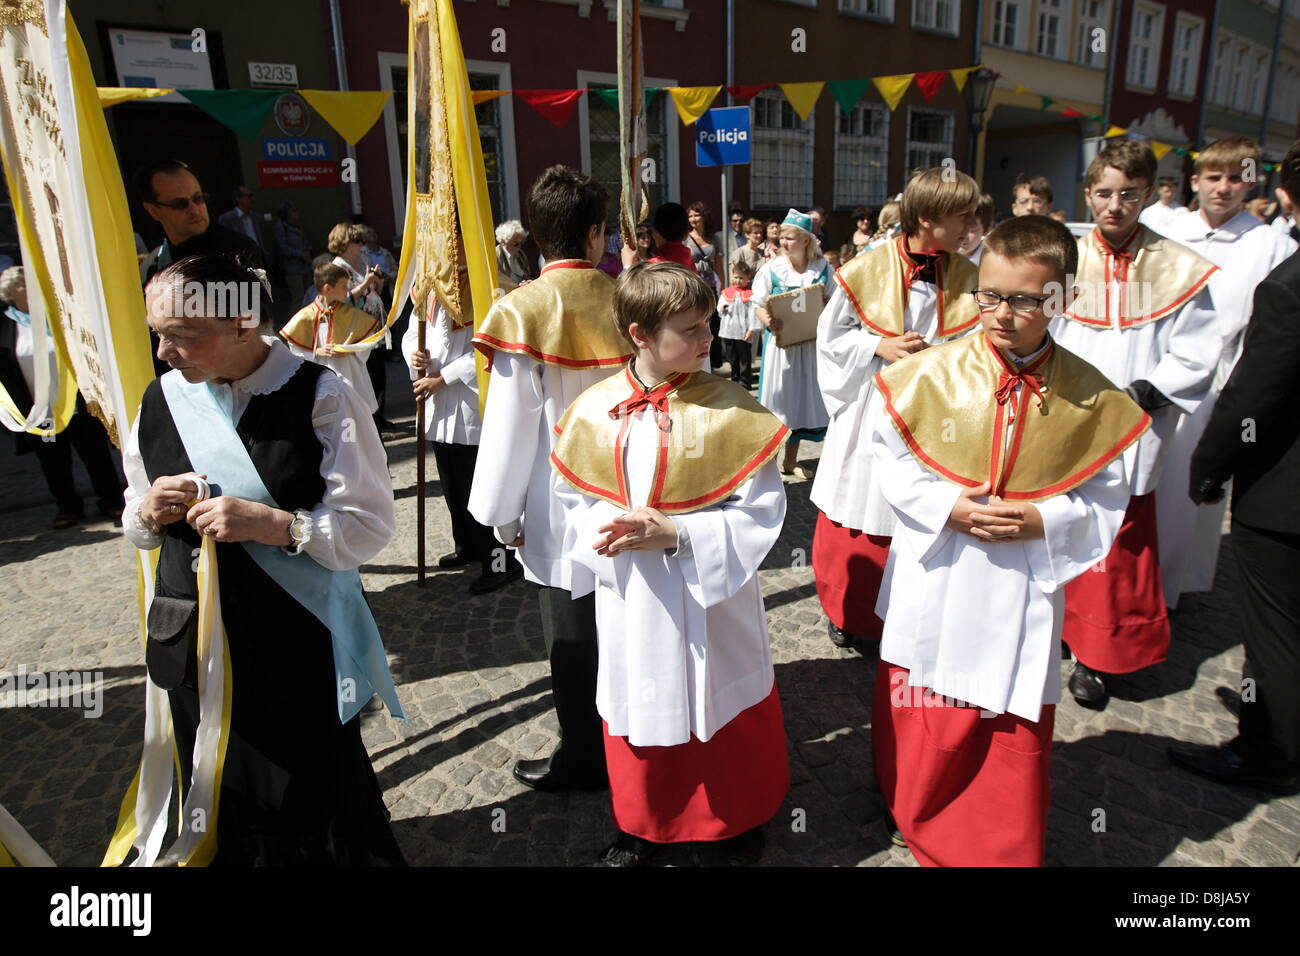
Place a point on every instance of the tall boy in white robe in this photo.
(1001, 454)
(1245, 250)
(334, 333)
(675, 499)
(1144, 317)
(889, 302)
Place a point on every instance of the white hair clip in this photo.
(261, 277)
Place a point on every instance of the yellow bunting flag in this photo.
(484, 96)
(1115, 131)
(802, 96)
(1160, 149)
(1021, 89)
(1194, 154)
(892, 88)
(112, 95)
(959, 76)
(692, 101)
(350, 112)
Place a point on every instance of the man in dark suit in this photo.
(1253, 438)
(241, 218)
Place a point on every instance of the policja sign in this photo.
(722, 139)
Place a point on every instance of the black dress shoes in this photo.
(627, 850)
(1230, 699)
(838, 637)
(539, 775)
(1087, 687)
(456, 559)
(1224, 765)
(488, 583)
(746, 849)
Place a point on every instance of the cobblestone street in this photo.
(472, 674)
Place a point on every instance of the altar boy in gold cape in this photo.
(674, 497)
(1001, 454)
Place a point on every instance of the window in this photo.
(1237, 79)
(1093, 15)
(1051, 28)
(861, 156)
(1144, 46)
(1219, 81)
(929, 138)
(1006, 23)
(781, 174)
(1186, 57)
(1258, 83)
(938, 15)
(602, 160)
(877, 9)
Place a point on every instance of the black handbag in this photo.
(170, 653)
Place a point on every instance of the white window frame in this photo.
(1062, 12)
(839, 199)
(925, 16)
(585, 78)
(1237, 79)
(998, 26)
(1190, 59)
(804, 138)
(1151, 76)
(945, 148)
(1259, 81)
(1083, 54)
(1221, 68)
(850, 9)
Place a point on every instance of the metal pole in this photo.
(420, 447)
(340, 65)
(726, 234)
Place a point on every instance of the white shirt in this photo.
(451, 415)
(1160, 217)
(349, 366)
(737, 317)
(354, 520)
(683, 635)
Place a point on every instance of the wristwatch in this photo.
(300, 529)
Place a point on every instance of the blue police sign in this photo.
(284, 149)
(722, 137)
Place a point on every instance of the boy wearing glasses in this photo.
(1145, 319)
(1001, 454)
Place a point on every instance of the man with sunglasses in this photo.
(1145, 319)
(172, 196)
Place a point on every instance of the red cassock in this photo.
(964, 790)
(702, 791)
(848, 566)
(1115, 616)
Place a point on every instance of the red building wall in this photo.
(1128, 104)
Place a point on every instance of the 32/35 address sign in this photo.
(273, 74)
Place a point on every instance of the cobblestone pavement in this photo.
(473, 676)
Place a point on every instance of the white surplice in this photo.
(349, 366)
(981, 621)
(514, 485)
(787, 380)
(1159, 217)
(683, 635)
(846, 367)
(451, 415)
(1246, 251)
(355, 518)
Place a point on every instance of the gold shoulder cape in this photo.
(874, 284)
(347, 325)
(954, 403)
(564, 317)
(719, 436)
(1157, 276)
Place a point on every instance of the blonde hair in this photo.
(1227, 155)
(936, 193)
(343, 235)
(814, 247)
(887, 220)
(649, 292)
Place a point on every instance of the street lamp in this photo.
(979, 90)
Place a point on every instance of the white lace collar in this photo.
(272, 374)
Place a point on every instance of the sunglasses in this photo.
(199, 199)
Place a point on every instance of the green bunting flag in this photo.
(848, 92)
(244, 111)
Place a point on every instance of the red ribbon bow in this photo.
(1008, 381)
(657, 399)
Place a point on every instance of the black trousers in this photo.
(377, 369)
(456, 474)
(715, 347)
(737, 352)
(1268, 732)
(570, 630)
(87, 436)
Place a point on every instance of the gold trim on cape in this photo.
(873, 282)
(953, 404)
(347, 324)
(718, 435)
(1157, 276)
(564, 317)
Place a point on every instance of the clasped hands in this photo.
(427, 385)
(223, 518)
(645, 529)
(996, 520)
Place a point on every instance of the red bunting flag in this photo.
(929, 83)
(1071, 113)
(556, 105)
(746, 93)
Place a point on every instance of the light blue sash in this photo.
(334, 597)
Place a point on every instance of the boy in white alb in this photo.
(889, 303)
(994, 519)
(738, 323)
(1245, 250)
(674, 524)
(332, 332)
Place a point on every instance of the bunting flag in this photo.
(959, 77)
(1070, 113)
(747, 93)
(609, 95)
(1115, 131)
(112, 95)
(848, 92)
(892, 88)
(802, 96)
(556, 105)
(485, 96)
(1018, 90)
(350, 112)
(929, 83)
(692, 101)
(71, 211)
(1160, 149)
(244, 111)
(1047, 101)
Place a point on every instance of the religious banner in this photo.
(633, 202)
(79, 257)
